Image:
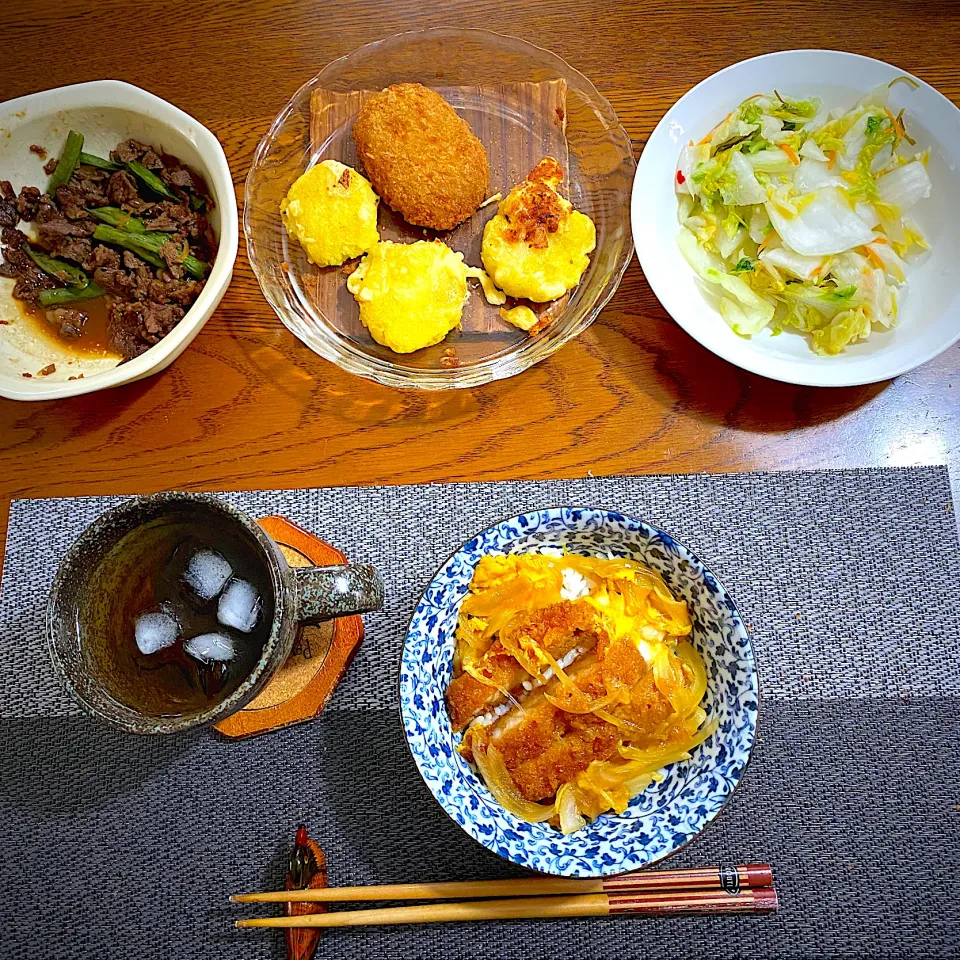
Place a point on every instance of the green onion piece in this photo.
(198, 205)
(67, 162)
(134, 242)
(151, 180)
(62, 295)
(94, 161)
(147, 247)
(59, 269)
(196, 268)
(116, 217)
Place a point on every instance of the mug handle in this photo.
(324, 593)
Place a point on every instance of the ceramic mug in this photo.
(107, 557)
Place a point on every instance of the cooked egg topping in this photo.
(492, 294)
(633, 598)
(537, 245)
(332, 212)
(521, 317)
(411, 295)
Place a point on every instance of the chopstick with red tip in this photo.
(751, 900)
(726, 889)
(724, 877)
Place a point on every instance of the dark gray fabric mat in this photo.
(849, 580)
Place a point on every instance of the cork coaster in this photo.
(300, 689)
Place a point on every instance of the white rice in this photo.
(575, 585)
(572, 655)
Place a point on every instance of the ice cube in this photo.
(156, 630)
(239, 606)
(206, 573)
(211, 647)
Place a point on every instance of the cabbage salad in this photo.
(797, 218)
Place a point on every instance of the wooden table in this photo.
(248, 406)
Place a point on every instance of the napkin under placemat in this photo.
(117, 846)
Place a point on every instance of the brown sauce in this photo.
(94, 341)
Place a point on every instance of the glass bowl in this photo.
(460, 64)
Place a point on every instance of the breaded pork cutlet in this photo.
(423, 160)
(558, 629)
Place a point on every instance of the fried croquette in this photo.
(421, 157)
(332, 211)
(537, 246)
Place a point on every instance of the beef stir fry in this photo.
(132, 230)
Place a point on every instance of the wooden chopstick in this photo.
(750, 900)
(742, 877)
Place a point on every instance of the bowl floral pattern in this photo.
(668, 814)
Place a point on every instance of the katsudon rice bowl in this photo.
(645, 819)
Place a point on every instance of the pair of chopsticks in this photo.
(716, 890)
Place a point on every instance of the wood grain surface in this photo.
(248, 406)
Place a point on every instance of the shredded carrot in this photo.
(897, 123)
(706, 139)
(879, 240)
(831, 159)
(791, 153)
(873, 257)
(766, 240)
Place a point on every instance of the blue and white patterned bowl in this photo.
(668, 814)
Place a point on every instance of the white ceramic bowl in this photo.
(930, 314)
(106, 112)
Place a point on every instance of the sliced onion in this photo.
(631, 728)
(471, 669)
(534, 658)
(567, 809)
(494, 771)
(661, 755)
(689, 655)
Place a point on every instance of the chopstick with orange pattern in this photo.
(726, 889)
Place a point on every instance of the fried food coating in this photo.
(544, 747)
(537, 246)
(411, 295)
(557, 628)
(423, 159)
(332, 211)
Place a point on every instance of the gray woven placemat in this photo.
(849, 581)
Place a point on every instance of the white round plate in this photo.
(930, 312)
